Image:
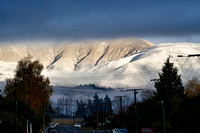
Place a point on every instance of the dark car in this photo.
(146, 130)
(122, 131)
(52, 130)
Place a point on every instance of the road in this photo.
(70, 129)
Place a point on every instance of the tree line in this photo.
(171, 108)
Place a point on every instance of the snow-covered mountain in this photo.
(118, 64)
(136, 70)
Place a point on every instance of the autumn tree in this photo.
(31, 87)
(190, 109)
(192, 88)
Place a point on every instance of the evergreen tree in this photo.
(89, 107)
(97, 103)
(108, 103)
(170, 89)
(169, 83)
(81, 109)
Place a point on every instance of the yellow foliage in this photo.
(192, 88)
(31, 87)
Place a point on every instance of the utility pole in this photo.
(15, 107)
(97, 119)
(120, 98)
(27, 126)
(43, 116)
(163, 110)
(101, 120)
(110, 115)
(135, 100)
(30, 127)
(105, 118)
(110, 108)
(163, 116)
(135, 110)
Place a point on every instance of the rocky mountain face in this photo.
(74, 56)
(119, 64)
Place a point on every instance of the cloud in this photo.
(78, 19)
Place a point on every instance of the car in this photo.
(52, 125)
(122, 131)
(52, 130)
(77, 125)
(56, 124)
(146, 130)
(115, 130)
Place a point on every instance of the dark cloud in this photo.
(85, 19)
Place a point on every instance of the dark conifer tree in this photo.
(97, 103)
(169, 83)
(170, 90)
(81, 109)
(108, 103)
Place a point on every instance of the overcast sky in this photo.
(59, 20)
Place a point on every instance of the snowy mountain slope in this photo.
(137, 70)
(134, 71)
(67, 57)
(118, 64)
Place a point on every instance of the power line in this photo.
(122, 89)
(191, 70)
(197, 73)
(105, 76)
(190, 65)
(184, 62)
(188, 71)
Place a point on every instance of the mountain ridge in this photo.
(77, 53)
(117, 66)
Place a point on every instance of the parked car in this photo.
(56, 124)
(115, 130)
(146, 130)
(77, 125)
(52, 125)
(122, 131)
(52, 130)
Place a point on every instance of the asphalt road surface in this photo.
(70, 129)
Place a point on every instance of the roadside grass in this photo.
(66, 121)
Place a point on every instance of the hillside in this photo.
(67, 57)
(135, 71)
(118, 64)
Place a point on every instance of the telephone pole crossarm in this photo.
(193, 55)
(154, 79)
(190, 55)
